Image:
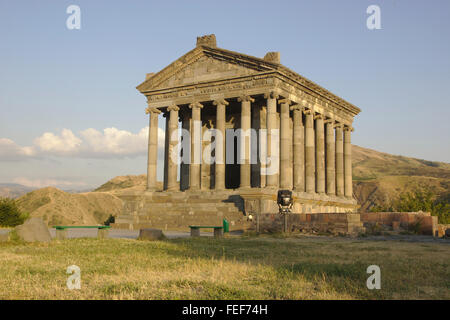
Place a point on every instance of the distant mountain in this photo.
(13, 190)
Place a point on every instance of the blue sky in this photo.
(56, 80)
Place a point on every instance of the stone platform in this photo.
(176, 210)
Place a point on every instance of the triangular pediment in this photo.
(202, 65)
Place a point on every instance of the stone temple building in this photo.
(306, 147)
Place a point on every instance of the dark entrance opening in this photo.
(232, 170)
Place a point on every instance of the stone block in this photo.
(195, 232)
(218, 233)
(34, 229)
(396, 225)
(102, 233)
(61, 234)
(151, 234)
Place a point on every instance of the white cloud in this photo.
(10, 151)
(114, 142)
(91, 143)
(65, 144)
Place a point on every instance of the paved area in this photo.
(116, 233)
(122, 233)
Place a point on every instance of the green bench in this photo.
(218, 230)
(61, 231)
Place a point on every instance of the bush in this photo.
(419, 201)
(10, 214)
(111, 219)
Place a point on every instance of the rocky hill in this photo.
(57, 207)
(119, 183)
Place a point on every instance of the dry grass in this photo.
(245, 268)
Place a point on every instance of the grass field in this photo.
(230, 268)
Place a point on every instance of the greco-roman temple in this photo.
(293, 135)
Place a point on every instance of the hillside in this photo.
(57, 207)
(117, 184)
(370, 164)
(379, 178)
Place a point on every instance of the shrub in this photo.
(10, 214)
(419, 201)
(111, 219)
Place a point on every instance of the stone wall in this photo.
(333, 223)
(427, 224)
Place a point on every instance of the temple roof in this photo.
(206, 47)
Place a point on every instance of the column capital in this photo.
(297, 107)
(329, 120)
(348, 128)
(245, 98)
(173, 107)
(285, 101)
(338, 125)
(271, 95)
(196, 105)
(149, 110)
(220, 102)
(319, 116)
(307, 111)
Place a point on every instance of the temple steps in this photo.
(177, 211)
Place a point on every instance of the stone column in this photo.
(309, 152)
(339, 161)
(152, 157)
(196, 146)
(220, 143)
(245, 147)
(330, 157)
(299, 149)
(285, 168)
(348, 189)
(272, 162)
(166, 151)
(320, 155)
(172, 160)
